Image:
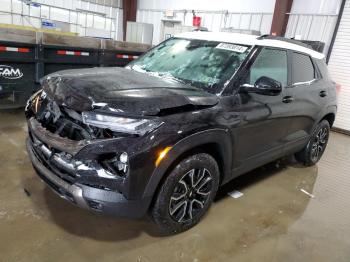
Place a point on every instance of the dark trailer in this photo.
(27, 56)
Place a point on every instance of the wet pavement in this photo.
(287, 213)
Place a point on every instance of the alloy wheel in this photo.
(190, 195)
(319, 144)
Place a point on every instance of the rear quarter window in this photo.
(322, 66)
(302, 68)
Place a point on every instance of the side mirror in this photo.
(263, 86)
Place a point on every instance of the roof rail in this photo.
(280, 38)
(262, 36)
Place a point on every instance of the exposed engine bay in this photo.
(58, 133)
(66, 122)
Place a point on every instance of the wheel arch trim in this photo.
(221, 137)
(327, 111)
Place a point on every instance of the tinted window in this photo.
(271, 63)
(303, 69)
(321, 64)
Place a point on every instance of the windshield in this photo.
(203, 64)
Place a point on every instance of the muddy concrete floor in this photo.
(274, 220)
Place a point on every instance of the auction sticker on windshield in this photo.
(232, 47)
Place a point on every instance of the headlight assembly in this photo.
(120, 124)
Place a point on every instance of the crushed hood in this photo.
(123, 90)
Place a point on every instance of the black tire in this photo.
(316, 146)
(177, 206)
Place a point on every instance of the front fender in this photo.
(220, 137)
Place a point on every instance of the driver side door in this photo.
(260, 136)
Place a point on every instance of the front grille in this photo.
(58, 171)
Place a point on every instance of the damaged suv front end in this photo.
(101, 157)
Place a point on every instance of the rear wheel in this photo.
(186, 194)
(316, 146)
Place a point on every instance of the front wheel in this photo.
(186, 194)
(316, 146)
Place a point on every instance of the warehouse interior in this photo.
(281, 211)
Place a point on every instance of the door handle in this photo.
(287, 99)
(323, 93)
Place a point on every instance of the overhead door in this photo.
(339, 67)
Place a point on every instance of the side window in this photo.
(271, 63)
(302, 68)
(322, 66)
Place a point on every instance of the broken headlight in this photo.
(117, 165)
(120, 124)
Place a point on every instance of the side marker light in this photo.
(162, 155)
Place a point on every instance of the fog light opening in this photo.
(95, 205)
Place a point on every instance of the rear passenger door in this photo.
(304, 96)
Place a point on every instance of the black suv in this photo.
(162, 134)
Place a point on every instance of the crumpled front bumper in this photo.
(96, 199)
(86, 197)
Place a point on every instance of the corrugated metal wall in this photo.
(339, 67)
(316, 27)
(244, 6)
(213, 20)
(83, 17)
(313, 20)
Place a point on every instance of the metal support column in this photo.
(129, 13)
(280, 17)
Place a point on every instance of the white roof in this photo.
(252, 40)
